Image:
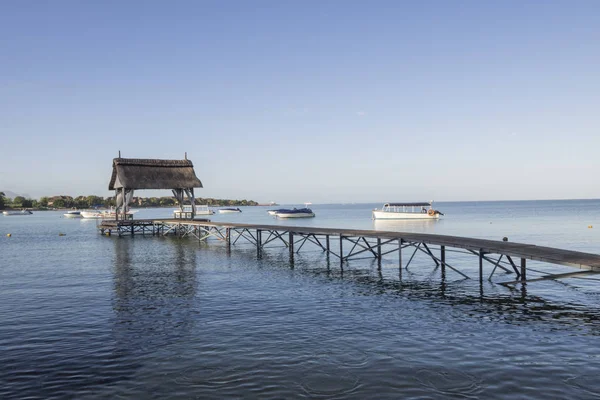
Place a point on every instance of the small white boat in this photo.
(229, 210)
(187, 211)
(295, 213)
(73, 214)
(14, 212)
(407, 211)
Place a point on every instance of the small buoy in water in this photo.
(62, 234)
(590, 226)
(505, 239)
(8, 235)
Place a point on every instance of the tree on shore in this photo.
(91, 201)
(2, 197)
(59, 203)
(22, 202)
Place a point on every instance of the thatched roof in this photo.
(133, 173)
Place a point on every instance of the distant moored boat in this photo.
(295, 213)
(103, 214)
(229, 210)
(407, 211)
(14, 212)
(187, 211)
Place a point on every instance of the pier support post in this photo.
(400, 257)
(523, 270)
(379, 254)
(443, 258)
(327, 242)
(258, 242)
(481, 266)
(341, 249)
(291, 243)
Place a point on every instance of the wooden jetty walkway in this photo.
(352, 244)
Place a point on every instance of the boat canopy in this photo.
(406, 204)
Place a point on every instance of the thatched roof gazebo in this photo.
(131, 174)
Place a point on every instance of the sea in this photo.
(87, 316)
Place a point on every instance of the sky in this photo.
(305, 101)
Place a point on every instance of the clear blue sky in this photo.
(322, 101)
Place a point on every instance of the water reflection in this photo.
(511, 305)
(153, 292)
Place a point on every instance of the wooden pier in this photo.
(353, 244)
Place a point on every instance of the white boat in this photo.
(295, 213)
(91, 214)
(229, 210)
(73, 214)
(273, 212)
(103, 214)
(187, 211)
(407, 211)
(14, 212)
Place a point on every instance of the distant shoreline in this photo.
(105, 208)
(277, 205)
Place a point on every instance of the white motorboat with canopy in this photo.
(103, 214)
(186, 211)
(407, 211)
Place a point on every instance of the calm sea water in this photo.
(88, 316)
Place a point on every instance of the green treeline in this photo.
(82, 202)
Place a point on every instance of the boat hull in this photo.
(229, 211)
(378, 214)
(73, 215)
(294, 215)
(9, 213)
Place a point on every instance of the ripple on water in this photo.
(349, 358)
(587, 383)
(329, 382)
(198, 376)
(449, 382)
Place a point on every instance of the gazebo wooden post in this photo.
(124, 204)
(116, 204)
(193, 199)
